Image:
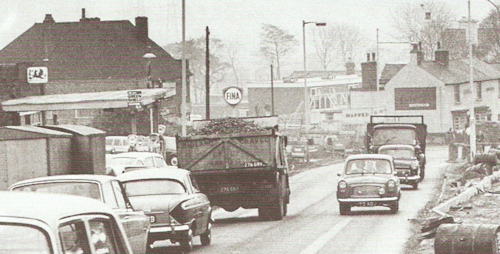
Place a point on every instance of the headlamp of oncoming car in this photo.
(414, 165)
(391, 184)
(342, 185)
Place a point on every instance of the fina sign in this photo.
(233, 95)
(37, 75)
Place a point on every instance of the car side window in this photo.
(193, 183)
(159, 162)
(102, 236)
(118, 193)
(74, 238)
(139, 163)
(149, 162)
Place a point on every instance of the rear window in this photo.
(398, 153)
(85, 189)
(18, 238)
(153, 187)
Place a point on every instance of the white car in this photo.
(117, 144)
(120, 163)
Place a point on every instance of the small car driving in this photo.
(58, 224)
(406, 163)
(368, 180)
(178, 211)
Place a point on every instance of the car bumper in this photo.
(169, 229)
(409, 179)
(174, 234)
(376, 200)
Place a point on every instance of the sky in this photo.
(232, 21)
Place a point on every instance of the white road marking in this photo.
(323, 239)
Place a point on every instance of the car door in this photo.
(136, 223)
(201, 206)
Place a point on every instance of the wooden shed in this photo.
(28, 152)
(88, 148)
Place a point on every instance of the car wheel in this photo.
(422, 174)
(344, 209)
(206, 238)
(187, 243)
(173, 161)
(415, 185)
(394, 207)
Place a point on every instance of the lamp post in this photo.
(148, 56)
(306, 92)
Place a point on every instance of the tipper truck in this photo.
(239, 162)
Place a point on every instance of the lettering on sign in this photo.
(233, 95)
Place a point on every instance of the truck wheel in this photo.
(172, 160)
(344, 209)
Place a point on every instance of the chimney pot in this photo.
(368, 57)
(48, 19)
(83, 13)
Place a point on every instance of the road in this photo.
(313, 223)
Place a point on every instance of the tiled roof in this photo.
(90, 50)
(458, 71)
(389, 71)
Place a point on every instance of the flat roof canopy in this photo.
(108, 99)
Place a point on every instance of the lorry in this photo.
(239, 162)
(398, 130)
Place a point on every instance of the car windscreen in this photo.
(153, 187)
(18, 238)
(122, 161)
(85, 189)
(394, 136)
(368, 166)
(398, 153)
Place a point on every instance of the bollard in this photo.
(466, 239)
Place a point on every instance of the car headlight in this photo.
(342, 185)
(414, 165)
(381, 191)
(391, 184)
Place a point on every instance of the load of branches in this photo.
(227, 126)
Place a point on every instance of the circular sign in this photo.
(233, 95)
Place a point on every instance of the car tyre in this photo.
(415, 185)
(394, 207)
(344, 209)
(187, 243)
(173, 161)
(206, 238)
(422, 174)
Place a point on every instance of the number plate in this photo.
(366, 203)
(152, 218)
(229, 189)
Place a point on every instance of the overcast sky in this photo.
(229, 20)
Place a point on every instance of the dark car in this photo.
(106, 189)
(58, 224)
(368, 180)
(178, 210)
(406, 163)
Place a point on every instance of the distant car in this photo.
(177, 209)
(368, 180)
(170, 150)
(58, 224)
(123, 162)
(117, 144)
(106, 189)
(406, 163)
(298, 151)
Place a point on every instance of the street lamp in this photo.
(306, 93)
(148, 56)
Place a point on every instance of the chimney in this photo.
(442, 57)
(349, 67)
(141, 27)
(48, 19)
(369, 73)
(416, 56)
(83, 13)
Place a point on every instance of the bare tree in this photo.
(232, 50)
(427, 23)
(276, 44)
(489, 44)
(325, 42)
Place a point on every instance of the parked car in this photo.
(123, 162)
(58, 224)
(368, 180)
(177, 209)
(117, 144)
(406, 163)
(106, 189)
(298, 151)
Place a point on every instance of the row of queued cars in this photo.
(141, 200)
(395, 156)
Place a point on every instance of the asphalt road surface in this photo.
(313, 223)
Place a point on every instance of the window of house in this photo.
(83, 113)
(459, 122)
(456, 92)
(479, 87)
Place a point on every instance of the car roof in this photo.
(395, 126)
(168, 172)
(75, 177)
(136, 154)
(47, 207)
(409, 147)
(369, 156)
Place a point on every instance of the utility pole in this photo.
(272, 91)
(184, 86)
(207, 76)
(472, 123)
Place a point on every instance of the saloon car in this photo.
(368, 180)
(58, 224)
(178, 211)
(106, 189)
(406, 163)
(123, 162)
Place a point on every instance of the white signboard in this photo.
(37, 75)
(134, 98)
(233, 95)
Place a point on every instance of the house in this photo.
(88, 56)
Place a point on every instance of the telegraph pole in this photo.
(207, 76)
